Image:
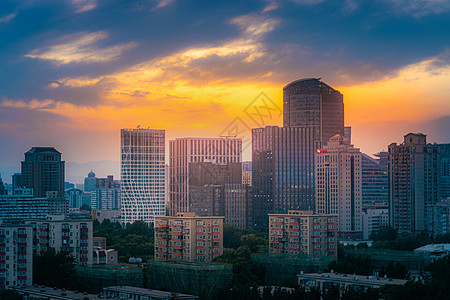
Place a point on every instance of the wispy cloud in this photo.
(34, 104)
(84, 5)
(7, 18)
(81, 48)
(162, 3)
(420, 8)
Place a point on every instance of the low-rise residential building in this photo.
(36, 292)
(302, 232)
(104, 256)
(74, 236)
(188, 237)
(131, 292)
(16, 255)
(324, 281)
(374, 219)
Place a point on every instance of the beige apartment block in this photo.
(74, 236)
(303, 232)
(188, 237)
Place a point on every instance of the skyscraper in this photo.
(445, 170)
(90, 182)
(43, 171)
(374, 183)
(338, 185)
(282, 171)
(314, 104)
(187, 150)
(142, 174)
(413, 183)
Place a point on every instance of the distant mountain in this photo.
(75, 172)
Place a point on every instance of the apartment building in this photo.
(16, 255)
(303, 232)
(188, 237)
(64, 234)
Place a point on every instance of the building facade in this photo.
(440, 217)
(75, 199)
(142, 174)
(184, 151)
(43, 171)
(302, 232)
(373, 220)
(374, 183)
(247, 172)
(444, 150)
(72, 236)
(187, 237)
(16, 255)
(282, 171)
(414, 183)
(17, 207)
(338, 185)
(238, 209)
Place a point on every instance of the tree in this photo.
(54, 269)
(9, 295)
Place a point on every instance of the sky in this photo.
(74, 72)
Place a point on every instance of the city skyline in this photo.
(78, 76)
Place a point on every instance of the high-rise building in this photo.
(445, 170)
(338, 185)
(3, 190)
(16, 182)
(43, 171)
(373, 220)
(188, 237)
(206, 186)
(106, 198)
(440, 217)
(142, 174)
(414, 184)
(90, 182)
(282, 171)
(72, 236)
(302, 232)
(238, 205)
(75, 198)
(374, 183)
(247, 172)
(16, 255)
(183, 151)
(313, 104)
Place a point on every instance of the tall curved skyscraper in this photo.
(312, 103)
(142, 174)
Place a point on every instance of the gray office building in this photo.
(313, 104)
(282, 171)
(374, 183)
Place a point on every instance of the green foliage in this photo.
(385, 234)
(54, 269)
(136, 240)
(257, 241)
(9, 295)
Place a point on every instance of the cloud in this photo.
(308, 2)
(84, 5)
(177, 97)
(162, 3)
(7, 18)
(81, 48)
(419, 8)
(33, 104)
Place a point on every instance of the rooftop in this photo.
(434, 248)
(154, 294)
(44, 292)
(352, 279)
(42, 149)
